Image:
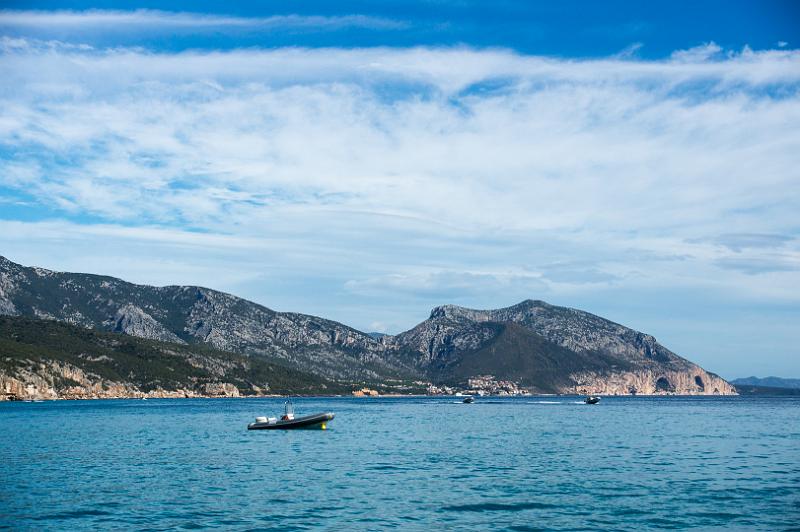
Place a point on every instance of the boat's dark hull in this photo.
(314, 421)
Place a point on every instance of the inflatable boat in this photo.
(288, 421)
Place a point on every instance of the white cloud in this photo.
(443, 285)
(630, 51)
(698, 54)
(217, 138)
(147, 19)
(368, 184)
(740, 241)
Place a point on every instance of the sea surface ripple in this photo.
(409, 463)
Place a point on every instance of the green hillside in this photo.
(519, 354)
(29, 345)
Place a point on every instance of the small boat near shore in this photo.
(288, 421)
(468, 400)
(591, 400)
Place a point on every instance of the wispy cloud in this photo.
(741, 241)
(703, 53)
(144, 19)
(761, 265)
(366, 184)
(630, 51)
(204, 138)
(445, 285)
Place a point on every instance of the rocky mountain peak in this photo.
(530, 303)
(454, 312)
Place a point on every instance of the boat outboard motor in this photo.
(288, 411)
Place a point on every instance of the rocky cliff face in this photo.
(56, 380)
(42, 384)
(189, 314)
(549, 348)
(606, 357)
(134, 321)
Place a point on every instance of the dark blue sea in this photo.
(411, 464)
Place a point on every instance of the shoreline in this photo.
(340, 396)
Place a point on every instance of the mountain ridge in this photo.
(617, 359)
(189, 314)
(545, 347)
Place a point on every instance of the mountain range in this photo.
(541, 347)
(768, 382)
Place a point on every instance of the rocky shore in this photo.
(36, 388)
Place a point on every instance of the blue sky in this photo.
(562, 29)
(366, 161)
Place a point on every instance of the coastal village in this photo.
(481, 385)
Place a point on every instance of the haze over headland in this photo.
(368, 165)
